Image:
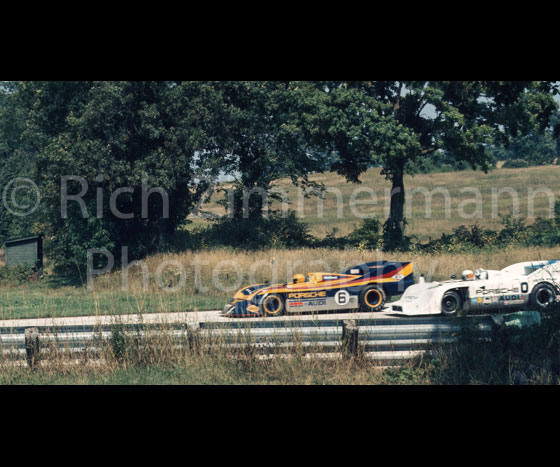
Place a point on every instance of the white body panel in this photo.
(494, 290)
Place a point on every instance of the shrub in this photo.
(513, 356)
(273, 231)
(543, 232)
(366, 235)
(515, 164)
(16, 274)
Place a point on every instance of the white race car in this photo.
(534, 284)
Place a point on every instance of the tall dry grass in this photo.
(220, 272)
(165, 359)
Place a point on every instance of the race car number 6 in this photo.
(342, 297)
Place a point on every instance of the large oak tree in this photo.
(397, 123)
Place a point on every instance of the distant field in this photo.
(464, 197)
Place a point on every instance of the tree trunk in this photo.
(249, 201)
(393, 230)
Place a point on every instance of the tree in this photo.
(134, 151)
(555, 125)
(262, 139)
(398, 123)
(534, 148)
(17, 160)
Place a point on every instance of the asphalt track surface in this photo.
(184, 317)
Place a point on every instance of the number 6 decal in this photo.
(342, 297)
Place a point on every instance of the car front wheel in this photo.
(272, 305)
(451, 303)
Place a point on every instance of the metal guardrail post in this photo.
(193, 336)
(350, 341)
(32, 347)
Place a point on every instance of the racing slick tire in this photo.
(451, 303)
(542, 296)
(372, 299)
(272, 305)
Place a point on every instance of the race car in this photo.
(533, 284)
(365, 287)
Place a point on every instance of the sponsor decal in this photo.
(497, 291)
(299, 295)
(398, 277)
(321, 302)
(330, 278)
(511, 297)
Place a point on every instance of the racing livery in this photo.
(365, 287)
(532, 284)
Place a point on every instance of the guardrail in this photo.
(388, 340)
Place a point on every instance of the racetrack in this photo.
(184, 317)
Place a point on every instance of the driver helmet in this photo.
(299, 278)
(467, 275)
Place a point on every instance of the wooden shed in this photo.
(27, 251)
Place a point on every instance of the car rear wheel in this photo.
(543, 296)
(451, 303)
(272, 305)
(372, 299)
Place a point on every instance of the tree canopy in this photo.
(398, 123)
(170, 139)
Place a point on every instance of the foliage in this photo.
(534, 148)
(265, 133)
(180, 136)
(367, 235)
(391, 127)
(543, 232)
(125, 139)
(290, 232)
(273, 231)
(17, 159)
(513, 356)
(15, 275)
(516, 163)
(442, 161)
